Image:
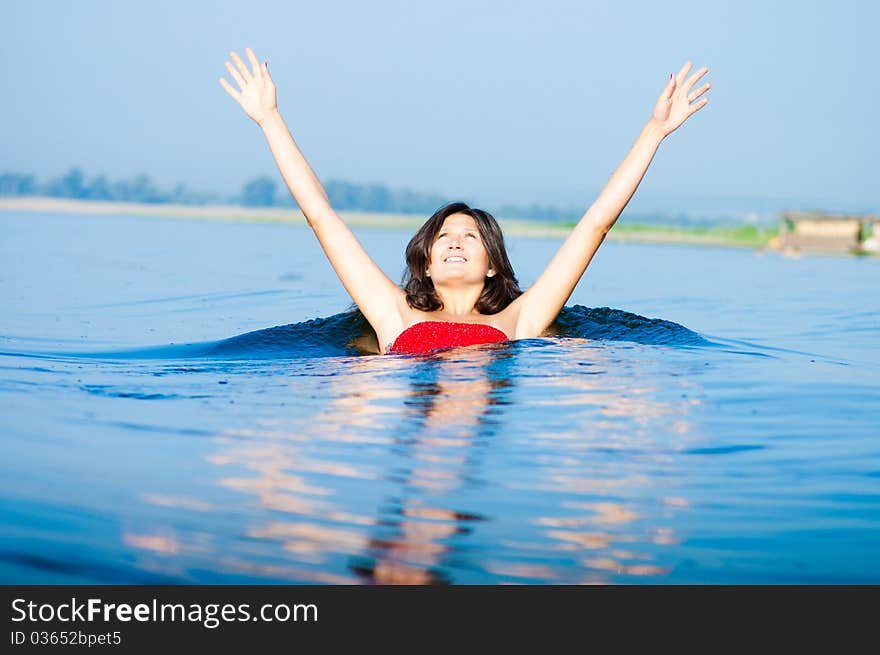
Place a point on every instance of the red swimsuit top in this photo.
(433, 335)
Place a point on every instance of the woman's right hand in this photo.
(256, 93)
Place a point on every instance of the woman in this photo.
(459, 288)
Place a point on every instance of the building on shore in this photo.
(831, 233)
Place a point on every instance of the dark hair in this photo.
(498, 291)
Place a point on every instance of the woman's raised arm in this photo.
(534, 310)
(373, 291)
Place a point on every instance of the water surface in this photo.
(181, 403)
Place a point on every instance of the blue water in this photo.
(185, 402)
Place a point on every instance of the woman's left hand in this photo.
(674, 106)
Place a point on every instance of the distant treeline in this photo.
(258, 192)
(74, 184)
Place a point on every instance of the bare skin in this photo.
(458, 283)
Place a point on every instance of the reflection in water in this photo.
(454, 408)
(623, 421)
(406, 470)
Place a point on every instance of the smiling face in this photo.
(454, 247)
(458, 253)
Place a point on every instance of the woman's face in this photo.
(458, 253)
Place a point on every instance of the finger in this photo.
(265, 69)
(236, 76)
(683, 73)
(694, 79)
(226, 85)
(255, 65)
(245, 73)
(697, 107)
(696, 94)
(669, 89)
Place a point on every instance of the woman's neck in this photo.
(459, 302)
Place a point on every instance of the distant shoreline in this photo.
(729, 236)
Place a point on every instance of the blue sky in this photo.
(492, 101)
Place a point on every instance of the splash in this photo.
(606, 324)
(349, 334)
